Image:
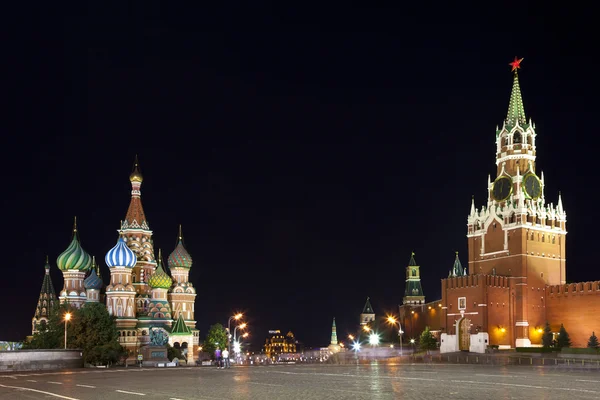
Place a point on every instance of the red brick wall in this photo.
(577, 306)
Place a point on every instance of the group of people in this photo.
(222, 358)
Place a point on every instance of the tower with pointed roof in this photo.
(515, 235)
(46, 302)
(413, 292)
(334, 346)
(368, 315)
(74, 263)
(457, 268)
(182, 294)
(138, 236)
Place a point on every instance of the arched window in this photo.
(414, 272)
(517, 137)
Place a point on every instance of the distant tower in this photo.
(413, 292)
(367, 315)
(457, 268)
(74, 262)
(120, 293)
(334, 347)
(46, 302)
(138, 236)
(182, 294)
(93, 283)
(159, 310)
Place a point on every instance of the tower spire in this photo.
(46, 302)
(135, 218)
(516, 111)
(413, 292)
(334, 340)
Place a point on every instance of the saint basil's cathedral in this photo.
(141, 294)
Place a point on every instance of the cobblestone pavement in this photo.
(307, 382)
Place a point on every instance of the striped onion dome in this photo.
(180, 258)
(160, 279)
(93, 281)
(74, 258)
(120, 256)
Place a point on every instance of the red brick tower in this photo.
(518, 235)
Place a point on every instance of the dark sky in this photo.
(306, 152)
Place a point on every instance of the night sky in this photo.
(306, 152)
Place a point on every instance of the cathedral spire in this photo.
(135, 218)
(516, 111)
(472, 213)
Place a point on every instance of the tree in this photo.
(547, 337)
(427, 341)
(593, 342)
(563, 338)
(173, 352)
(216, 336)
(90, 329)
(51, 335)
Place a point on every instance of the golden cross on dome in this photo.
(516, 64)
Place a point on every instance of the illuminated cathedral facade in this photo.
(141, 295)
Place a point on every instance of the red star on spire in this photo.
(516, 64)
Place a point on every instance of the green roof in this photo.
(413, 288)
(457, 268)
(180, 328)
(368, 308)
(412, 262)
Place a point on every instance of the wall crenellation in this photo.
(574, 288)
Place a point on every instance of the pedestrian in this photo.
(226, 363)
(218, 357)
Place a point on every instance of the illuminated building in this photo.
(277, 344)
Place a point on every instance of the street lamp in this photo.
(236, 317)
(67, 319)
(242, 326)
(392, 320)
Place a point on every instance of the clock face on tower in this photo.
(532, 186)
(502, 188)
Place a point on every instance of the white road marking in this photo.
(55, 383)
(39, 391)
(501, 376)
(31, 380)
(126, 392)
(264, 384)
(586, 380)
(87, 386)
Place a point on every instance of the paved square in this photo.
(308, 382)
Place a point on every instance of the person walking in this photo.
(226, 363)
(218, 357)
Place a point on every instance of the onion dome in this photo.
(180, 258)
(120, 256)
(136, 175)
(94, 280)
(74, 258)
(160, 279)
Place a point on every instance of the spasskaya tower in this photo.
(517, 234)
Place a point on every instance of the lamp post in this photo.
(393, 321)
(236, 317)
(242, 326)
(67, 319)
